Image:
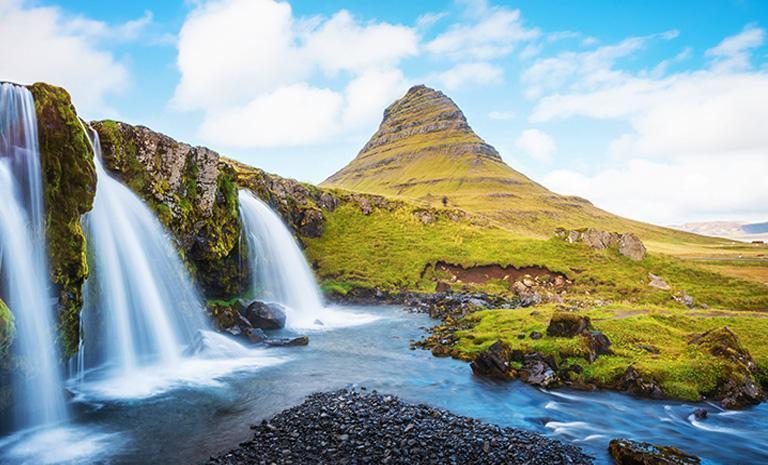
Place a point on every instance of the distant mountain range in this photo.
(737, 230)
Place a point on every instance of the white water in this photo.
(24, 282)
(145, 329)
(280, 273)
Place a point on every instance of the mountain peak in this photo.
(426, 113)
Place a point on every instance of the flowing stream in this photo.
(24, 283)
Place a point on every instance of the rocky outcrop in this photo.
(193, 193)
(627, 244)
(69, 180)
(567, 324)
(494, 362)
(7, 332)
(740, 387)
(626, 452)
(634, 382)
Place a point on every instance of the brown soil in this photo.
(484, 273)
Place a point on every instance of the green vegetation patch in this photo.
(394, 250)
(654, 340)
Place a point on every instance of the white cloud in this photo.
(697, 145)
(469, 73)
(241, 57)
(584, 70)
(271, 119)
(96, 30)
(733, 52)
(536, 143)
(493, 33)
(39, 44)
(690, 188)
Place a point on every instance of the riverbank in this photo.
(689, 354)
(349, 426)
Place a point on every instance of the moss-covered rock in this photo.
(69, 179)
(192, 193)
(7, 332)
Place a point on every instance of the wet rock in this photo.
(567, 324)
(633, 382)
(266, 315)
(657, 282)
(700, 413)
(597, 344)
(494, 362)
(538, 373)
(255, 335)
(631, 247)
(626, 452)
(311, 222)
(287, 341)
(348, 427)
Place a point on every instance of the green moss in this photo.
(69, 179)
(7, 332)
(654, 340)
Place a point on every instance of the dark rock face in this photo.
(69, 182)
(567, 324)
(266, 315)
(538, 372)
(494, 362)
(626, 452)
(633, 382)
(597, 344)
(346, 427)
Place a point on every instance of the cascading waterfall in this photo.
(24, 282)
(141, 307)
(144, 324)
(280, 273)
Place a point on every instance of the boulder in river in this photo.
(538, 373)
(626, 452)
(567, 324)
(494, 362)
(255, 335)
(634, 382)
(266, 315)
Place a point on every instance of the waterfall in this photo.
(24, 282)
(280, 272)
(141, 306)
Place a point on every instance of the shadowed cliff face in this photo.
(192, 192)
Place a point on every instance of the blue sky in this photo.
(654, 110)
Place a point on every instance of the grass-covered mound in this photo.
(395, 248)
(687, 353)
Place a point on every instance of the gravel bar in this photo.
(355, 427)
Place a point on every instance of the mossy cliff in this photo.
(191, 191)
(69, 179)
(7, 332)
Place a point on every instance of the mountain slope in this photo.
(425, 151)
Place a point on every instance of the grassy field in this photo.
(653, 339)
(394, 250)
